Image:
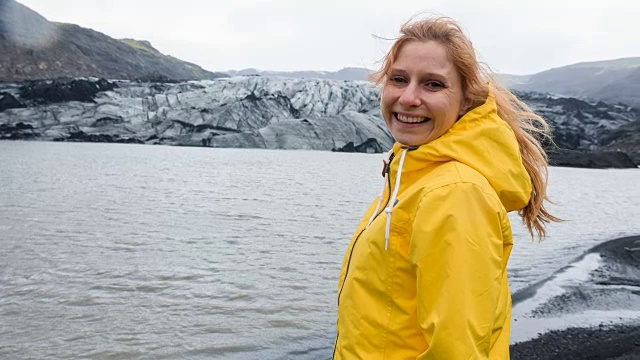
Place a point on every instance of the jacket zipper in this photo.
(388, 166)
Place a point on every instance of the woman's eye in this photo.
(398, 80)
(434, 85)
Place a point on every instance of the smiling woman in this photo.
(425, 276)
(422, 97)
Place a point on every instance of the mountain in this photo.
(271, 113)
(349, 73)
(613, 81)
(31, 47)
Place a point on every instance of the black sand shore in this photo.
(619, 342)
(615, 342)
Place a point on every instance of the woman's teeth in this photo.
(411, 119)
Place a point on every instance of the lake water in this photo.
(133, 251)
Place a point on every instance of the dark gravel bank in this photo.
(605, 342)
(619, 342)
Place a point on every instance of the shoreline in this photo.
(614, 288)
(602, 164)
(613, 342)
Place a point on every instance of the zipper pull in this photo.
(386, 163)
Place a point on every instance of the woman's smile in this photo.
(409, 119)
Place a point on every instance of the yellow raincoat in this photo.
(424, 276)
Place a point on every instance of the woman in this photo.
(425, 276)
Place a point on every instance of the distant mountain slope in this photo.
(349, 73)
(31, 47)
(612, 81)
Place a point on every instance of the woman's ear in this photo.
(465, 106)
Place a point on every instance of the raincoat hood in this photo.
(484, 142)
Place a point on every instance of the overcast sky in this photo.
(515, 37)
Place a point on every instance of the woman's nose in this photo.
(410, 96)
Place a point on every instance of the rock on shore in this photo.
(590, 159)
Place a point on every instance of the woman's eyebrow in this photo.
(394, 70)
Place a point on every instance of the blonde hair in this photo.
(528, 127)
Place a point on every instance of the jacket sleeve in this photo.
(457, 251)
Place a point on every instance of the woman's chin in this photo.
(411, 139)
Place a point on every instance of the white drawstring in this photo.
(389, 207)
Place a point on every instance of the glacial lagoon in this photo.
(137, 251)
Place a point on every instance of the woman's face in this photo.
(422, 96)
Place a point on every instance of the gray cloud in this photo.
(518, 37)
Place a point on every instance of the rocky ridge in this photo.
(348, 73)
(611, 81)
(31, 47)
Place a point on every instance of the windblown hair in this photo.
(529, 128)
